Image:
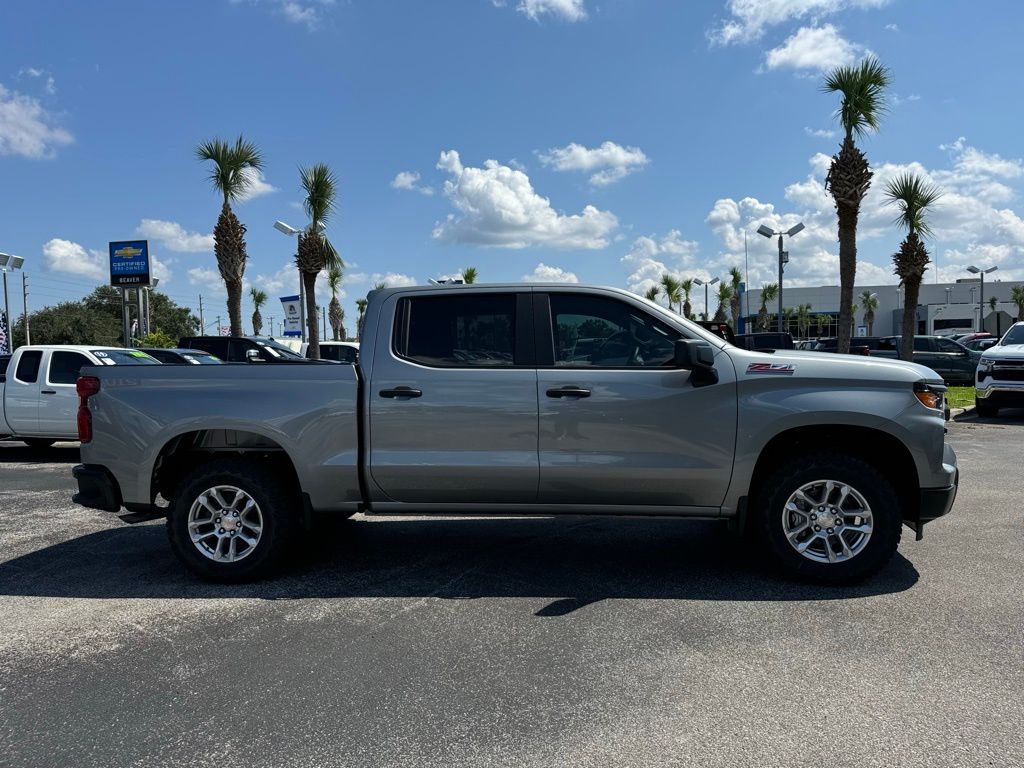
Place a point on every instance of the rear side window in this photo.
(922, 345)
(472, 331)
(28, 366)
(887, 345)
(211, 344)
(339, 352)
(64, 367)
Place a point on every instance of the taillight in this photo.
(86, 386)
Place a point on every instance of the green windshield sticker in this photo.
(138, 354)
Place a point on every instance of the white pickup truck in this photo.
(38, 402)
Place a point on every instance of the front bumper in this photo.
(934, 503)
(97, 488)
(1009, 393)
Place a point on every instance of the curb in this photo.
(958, 412)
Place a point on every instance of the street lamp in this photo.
(783, 255)
(706, 283)
(981, 299)
(9, 263)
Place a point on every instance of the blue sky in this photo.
(566, 139)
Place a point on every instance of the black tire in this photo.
(277, 503)
(37, 443)
(986, 409)
(872, 485)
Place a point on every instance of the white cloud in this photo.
(305, 12)
(258, 186)
(543, 273)
(410, 180)
(649, 258)
(498, 207)
(567, 10)
(174, 237)
(27, 129)
(49, 84)
(207, 280)
(892, 27)
(819, 48)
(748, 19)
(611, 161)
(821, 133)
(70, 257)
(392, 279)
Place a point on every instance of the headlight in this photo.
(930, 395)
(985, 365)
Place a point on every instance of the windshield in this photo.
(278, 350)
(1014, 336)
(123, 357)
(197, 359)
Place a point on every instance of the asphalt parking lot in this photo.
(539, 642)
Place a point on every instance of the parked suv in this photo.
(1000, 374)
(953, 361)
(235, 349)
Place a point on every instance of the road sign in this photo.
(129, 263)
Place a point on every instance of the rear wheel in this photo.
(984, 408)
(829, 518)
(232, 520)
(37, 443)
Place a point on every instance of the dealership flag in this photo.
(3, 334)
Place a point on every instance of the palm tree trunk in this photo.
(234, 289)
(912, 289)
(847, 275)
(257, 323)
(312, 316)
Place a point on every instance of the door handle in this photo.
(48, 392)
(568, 392)
(401, 392)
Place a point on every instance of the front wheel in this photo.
(986, 409)
(829, 518)
(231, 521)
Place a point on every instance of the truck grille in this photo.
(1008, 370)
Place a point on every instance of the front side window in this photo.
(945, 345)
(472, 331)
(598, 332)
(922, 345)
(64, 367)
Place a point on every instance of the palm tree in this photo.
(803, 320)
(724, 300)
(652, 293)
(769, 292)
(853, 318)
(686, 286)
(1017, 294)
(335, 313)
(735, 277)
(869, 301)
(259, 298)
(315, 252)
(787, 319)
(361, 306)
(672, 289)
(913, 196)
(469, 275)
(863, 90)
(823, 321)
(232, 175)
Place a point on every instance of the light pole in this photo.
(706, 283)
(783, 255)
(280, 226)
(981, 299)
(9, 263)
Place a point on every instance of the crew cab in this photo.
(1000, 374)
(38, 402)
(481, 399)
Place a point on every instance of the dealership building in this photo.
(943, 308)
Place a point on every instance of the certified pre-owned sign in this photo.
(129, 262)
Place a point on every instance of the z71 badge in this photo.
(771, 369)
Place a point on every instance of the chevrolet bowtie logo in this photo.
(127, 252)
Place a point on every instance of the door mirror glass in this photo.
(698, 357)
(253, 356)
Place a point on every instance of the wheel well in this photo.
(184, 453)
(879, 449)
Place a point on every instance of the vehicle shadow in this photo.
(1006, 416)
(15, 452)
(573, 561)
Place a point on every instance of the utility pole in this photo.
(218, 325)
(125, 322)
(782, 255)
(202, 325)
(270, 319)
(24, 299)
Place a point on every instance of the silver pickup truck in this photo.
(524, 399)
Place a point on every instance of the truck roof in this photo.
(68, 347)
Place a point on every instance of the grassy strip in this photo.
(960, 397)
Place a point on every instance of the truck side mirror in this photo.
(698, 357)
(253, 356)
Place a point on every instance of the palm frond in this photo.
(913, 196)
(469, 275)
(259, 297)
(230, 165)
(334, 275)
(863, 89)
(321, 191)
